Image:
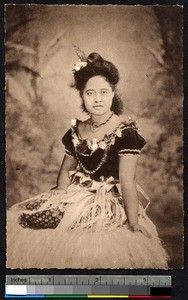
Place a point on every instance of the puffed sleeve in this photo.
(67, 141)
(131, 142)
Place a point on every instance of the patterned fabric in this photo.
(41, 220)
(39, 213)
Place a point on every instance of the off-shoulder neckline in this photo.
(131, 124)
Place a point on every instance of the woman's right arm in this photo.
(63, 180)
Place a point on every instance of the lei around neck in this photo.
(86, 146)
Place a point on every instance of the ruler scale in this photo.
(88, 286)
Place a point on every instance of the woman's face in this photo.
(97, 96)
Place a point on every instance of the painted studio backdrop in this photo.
(145, 43)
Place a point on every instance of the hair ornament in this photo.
(82, 62)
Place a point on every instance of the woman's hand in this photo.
(141, 229)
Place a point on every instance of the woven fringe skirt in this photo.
(83, 228)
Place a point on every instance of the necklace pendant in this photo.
(94, 127)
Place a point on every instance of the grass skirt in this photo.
(89, 230)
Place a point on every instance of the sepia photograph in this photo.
(94, 136)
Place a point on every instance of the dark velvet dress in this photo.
(86, 227)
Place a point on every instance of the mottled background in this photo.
(145, 43)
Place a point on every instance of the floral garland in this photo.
(86, 147)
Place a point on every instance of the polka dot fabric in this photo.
(41, 220)
(35, 204)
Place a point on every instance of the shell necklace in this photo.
(95, 127)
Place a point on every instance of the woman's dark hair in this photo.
(96, 65)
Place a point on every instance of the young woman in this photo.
(92, 219)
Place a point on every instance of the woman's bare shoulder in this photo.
(83, 123)
(83, 127)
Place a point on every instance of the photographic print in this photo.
(94, 136)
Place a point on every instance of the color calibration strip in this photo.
(90, 296)
(83, 287)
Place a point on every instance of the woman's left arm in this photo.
(127, 172)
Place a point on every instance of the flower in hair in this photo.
(82, 59)
(80, 64)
